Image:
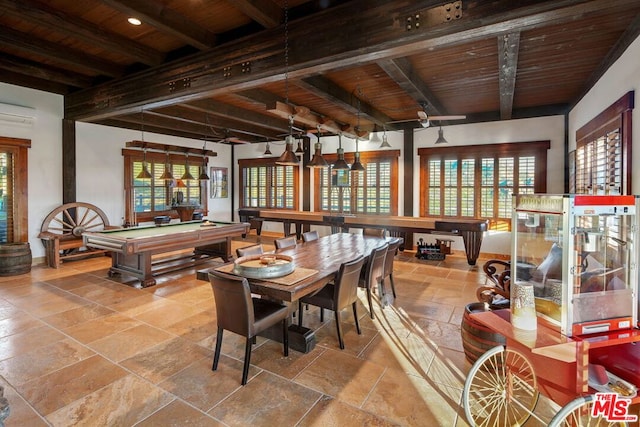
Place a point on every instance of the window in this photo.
(602, 160)
(267, 185)
(373, 191)
(478, 181)
(13, 190)
(151, 197)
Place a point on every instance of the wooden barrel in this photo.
(15, 258)
(477, 338)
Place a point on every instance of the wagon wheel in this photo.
(578, 413)
(500, 390)
(72, 219)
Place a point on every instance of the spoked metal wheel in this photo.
(500, 390)
(578, 413)
(73, 219)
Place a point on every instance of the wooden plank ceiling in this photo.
(236, 70)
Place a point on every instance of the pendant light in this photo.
(318, 161)
(441, 139)
(340, 164)
(385, 143)
(299, 150)
(375, 138)
(267, 152)
(167, 175)
(203, 175)
(186, 176)
(357, 166)
(144, 173)
(288, 158)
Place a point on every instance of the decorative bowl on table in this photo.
(266, 266)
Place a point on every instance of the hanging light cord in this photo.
(286, 54)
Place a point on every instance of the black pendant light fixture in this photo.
(441, 139)
(203, 175)
(340, 164)
(357, 165)
(267, 151)
(288, 158)
(318, 161)
(186, 176)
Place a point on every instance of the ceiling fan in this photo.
(425, 119)
(228, 139)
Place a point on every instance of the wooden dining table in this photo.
(320, 261)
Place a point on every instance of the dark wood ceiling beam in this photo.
(226, 111)
(325, 88)
(20, 79)
(402, 72)
(508, 48)
(54, 52)
(264, 12)
(41, 14)
(44, 72)
(165, 20)
(374, 32)
(127, 124)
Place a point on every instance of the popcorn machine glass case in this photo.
(580, 254)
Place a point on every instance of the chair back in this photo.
(346, 283)
(234, 306)
(375, 267)
(374, 232)
(285, 242)
(250, 250)
(390, 256)
(310, 235)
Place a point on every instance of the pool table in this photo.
(132, 248)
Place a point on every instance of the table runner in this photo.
(300, 273)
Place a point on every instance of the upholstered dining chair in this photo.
(373, 274)
(308, 236)
(338, 295)
(250, 250)
(285, 242)
(375, 232)
(388, 264)
(238, 312)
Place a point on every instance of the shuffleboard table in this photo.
(132, 248)
(471, 230)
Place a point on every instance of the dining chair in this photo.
(338, 295)
(374, 232)
(308, 236)
(238, 312)
(388, 264)
(373, 274)
(285, 242)
(250, 250)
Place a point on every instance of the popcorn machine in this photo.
(580, 254)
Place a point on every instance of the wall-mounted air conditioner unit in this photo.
(16, 115)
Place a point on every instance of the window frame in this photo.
(269, 163)
(132, 156)
(18, 148)
(537, 149)
(365, 157)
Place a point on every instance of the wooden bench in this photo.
(59, 247)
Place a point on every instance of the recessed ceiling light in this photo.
(134, 21)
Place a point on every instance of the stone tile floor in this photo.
(77, 348)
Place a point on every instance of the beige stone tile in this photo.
(270, 357)
(21, 412)
(430, 404)
(164, 360)
(168, 314)
(196, 328)
(330, 412)
(19, 321)
(327, 336)
(442, 334)
(125, 344)
(121, 403)
(77, 315)
(427, 309)
(179, 414)
(51, 392)
(27, 341)
(342, 376)
(42, 361)
(101, 327)
(139, 304)
(266, 400)
(7, 310)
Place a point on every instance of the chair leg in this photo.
(393, 286)
(300, 311)
(355, 318)
(370, 299)
(340, 341)
(247, 361)
(321, 314)
(285, 337)
(216, 354)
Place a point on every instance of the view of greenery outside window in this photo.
(155, 196)
(480, 181)
(602, 160)
(267, 185)
(13, 190)
(373, 191)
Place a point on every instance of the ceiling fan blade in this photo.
(452, 117)
(403, 121)
(423, 115)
